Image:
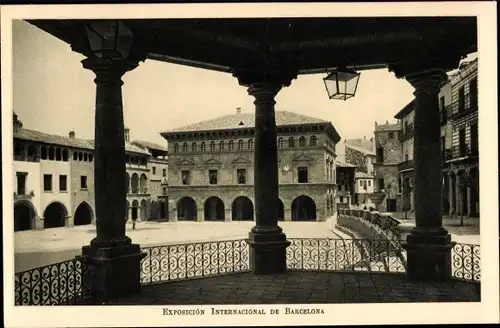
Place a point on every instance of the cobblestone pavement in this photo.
(303, 288)
(38, 248)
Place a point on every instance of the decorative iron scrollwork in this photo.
(466, 262)
(327, 254)
(55, 284)
(195, 260)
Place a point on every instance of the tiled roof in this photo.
(130, 148)
(246, 120)
(360, 149)
(343, 164)
(363, 175)
(32, 135)
(150, 145)
(407, 109)
(361, 143)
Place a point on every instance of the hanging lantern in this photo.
(109, 39)
(341, 83)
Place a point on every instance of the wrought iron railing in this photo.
(63, 283)
(326, 254)
(195, 260)
(55, 284)
(466, 262)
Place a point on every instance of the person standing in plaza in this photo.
(134, 220)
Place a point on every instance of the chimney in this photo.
(72, 134)
(386, 122)
(238, 111)
(127, 134)
(17, 124)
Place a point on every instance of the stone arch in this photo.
(212, 146)
(231, 145)
(214, 209)
(24, 215)
(291, 142)
(127, 207)
(303, 209)
(144, 183)
(281, 210)
(187, 209)
(43, 152)
(65, 154)
(194, 147)
(134, 183)
(176, 148)
(32, 152)
(55, 215)
(143, 210)
(203, 146)
(135, 209)
(51, 153)
(313, 141)
(184, 147)
(83, 214)
(240, 144)
(302, 141)
(242, 209)
(250, 144)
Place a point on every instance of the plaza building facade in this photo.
(345, 178)
(360, 152)
(387, 158)
(211, 168)
(53, 180)
(158, 179)
(459, 144)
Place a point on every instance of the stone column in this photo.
(111, 261)
(469, 201)
(429, 244)
(200, 215)
(228, 215)
(267, 241)
(288, 214)
(451, 200)
(458, 196)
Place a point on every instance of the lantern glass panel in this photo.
(341, 84)
(110, 39)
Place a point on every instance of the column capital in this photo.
(427, 81)
(264, 92)
(282, 77)
(109, 71)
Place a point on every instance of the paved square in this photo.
(303, 288)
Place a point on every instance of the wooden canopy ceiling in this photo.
(292, 45)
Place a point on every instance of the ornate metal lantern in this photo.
(109, 39)
(341, 83)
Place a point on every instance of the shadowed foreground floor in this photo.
(303, 287)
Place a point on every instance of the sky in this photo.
(53, 93)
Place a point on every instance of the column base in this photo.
(268, 251)
(111, 272)
(428, 254)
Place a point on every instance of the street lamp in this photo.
(341, 83)
(109, 39)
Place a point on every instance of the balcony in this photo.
(458, 152)
(24, 195)
(407, 133)
(460, 112)
(407, 165)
